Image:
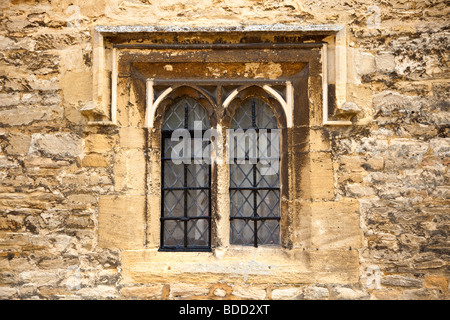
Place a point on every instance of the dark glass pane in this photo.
(173, 203)
(174, 116)
(264, 116)
(268, 203)
(190, 203)
(241, 175)
(242, 232)
(198, 232)
(197, 203)
(267, 180)
(241, 203)
(197, 113)
(173, 233)
(242, 118)
(173, 175)
(255, 113)
(269, 232)
(197, 175)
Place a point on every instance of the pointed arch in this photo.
(155, 104)
(286, 104)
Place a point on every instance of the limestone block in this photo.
(401, 281)
(7, 292)
(129, 171)
(388, 102)
(39, 278)
(99, 143)
(51, 84)
(365, 63)
(440, 282)
(25, 115)
(99, 292)
(183, 291)
(248, 292)
(335, 225)
(121, 222)
(322, 176)
(285, 294)
(95, 160)
(132, 137)
(385, 62)
(344, 293)
(8, 100)
(315, 293)
(335, 266)
(147, 292)
(318, 141)
(18, 144)
(77, 86)
(58, 144)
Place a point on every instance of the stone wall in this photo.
(60, 177)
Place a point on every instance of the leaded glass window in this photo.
(185, 185)
(254, 194)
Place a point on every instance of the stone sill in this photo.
(241, 265)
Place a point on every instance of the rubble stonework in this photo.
(375, 214)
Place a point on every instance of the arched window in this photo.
(254, 190)
(185, 179)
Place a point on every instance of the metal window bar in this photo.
(254, 189)
(185, 219)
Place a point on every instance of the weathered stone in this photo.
(98, 143)
(121, 221)
(385, 62)
(95, 160)
(220, 293)
(130, 137)
(99, 292)
(59, 144)
(39, 278)
(7, 292)
(285, 294)
(343, 293)
(147, 292)
(27, 115)
(401, 281)
(365, 63)
(18, 144)
(9, 100)
(315, 293)
(183, 291)
(249, 293)
(437, 282)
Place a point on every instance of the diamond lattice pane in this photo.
(198, 232)
(242, 232)
(197, 175)
(197, 113)
(173, 203)
(266, 180)
(173, 175)
(269, 232)
(241, 175)
(173, 233)
(268, 203)
(174, 116)
(197, 203)
(241, 203)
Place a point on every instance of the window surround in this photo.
(301, 263)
